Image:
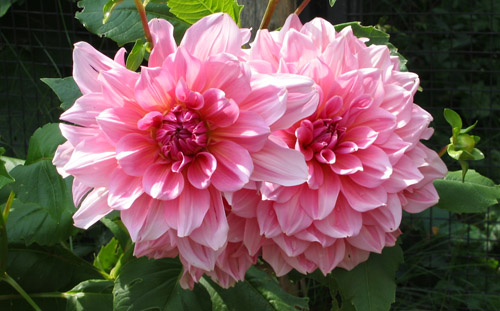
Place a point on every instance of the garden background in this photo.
(451, 261)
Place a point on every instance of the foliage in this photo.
(192, 10)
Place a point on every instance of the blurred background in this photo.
(451, 261)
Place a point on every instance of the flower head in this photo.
(162, 145)
(362, 146)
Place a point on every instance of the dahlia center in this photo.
(181, 134)
(319, 138)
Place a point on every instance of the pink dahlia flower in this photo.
(362, 147)
(162, 145)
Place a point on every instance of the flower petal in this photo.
(201, 169)
(136, 153)
(123, 189)
(160, 182)
(164, 43)
(234, 166)
(93, 208)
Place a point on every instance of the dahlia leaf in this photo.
(452, 118)
(371, 285)
(259, 291)
(119, 231)
(5, 177)
(108, 9)
(125, 25)
(3, 244)
(43, 269)
(193, 10)
(136, 56)
(108, 256)
(95, 295)
(42, 212)
(474, 195)
(5, 5)
(332, 2)
(153, 285)
(66, 90)
(376, 36)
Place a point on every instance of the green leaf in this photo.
(66, 90)
(468, 129)
(453, 118)
(5, 5)
(43, 143)
(259, 291)
(108, 256)
(10, 163)
(152, 285)
(119, 231)
(3, 244)
(125, 26)
(94, 295)
(332, 2)
(136, 56)
(43, 210)
(371, 285)
(5, 177)
(108, 9)
(474, 195)
(376, 36)
(47, 269)
(193, 10)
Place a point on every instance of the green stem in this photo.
(302, 6)
(8, 205)
(271, 6)
(144, 20)
(20, 290)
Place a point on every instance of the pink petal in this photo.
(353, 257)
(347, 164)
(244, 203)
(164, 44)
(268, 222)
(136, 153)
(298, 47)
(88, 63)
(234, 166)
(227, 73)
(118, 87)
(77, 134)
(342, 222)
(62, 157)
(302, 99)
(92, 162)
(184, 66)
(291, 215)
(266, 99)
(85, 110)
(280, 165)
(155, 223)
(160, 182)
(249, 131)
(220, 35)
(118, 122)
(214, 229)
(326, 258)
(218, 110)
(93, 208)
(79, 191)
(252, 238)
(290, 245)
(370, 238)
(196, 254)
(123, 190)
(133, 218)
(362, 136)
(376, 168)
(154, 89)
(265, 48)
(360, 198)
(275, 259)
(187, 212)
(201, 169)
(387, 217)
(120, 56)
(327, 195)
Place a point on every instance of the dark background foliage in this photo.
(451, 261)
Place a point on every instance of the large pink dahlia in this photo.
(362, 147)
(162, 145)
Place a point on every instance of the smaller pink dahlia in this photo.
(362, 146)
(162, 145)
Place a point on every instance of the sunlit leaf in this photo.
(108, 9)
(453, 118)
(193, 10)
(91, 295)
(474, 195)
(66, 90)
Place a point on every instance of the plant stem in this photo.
(20, 290)
(144, 20)
(7, 206)
(271, 6)
(302, 6)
